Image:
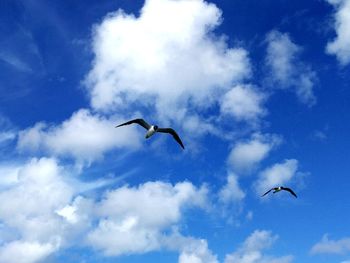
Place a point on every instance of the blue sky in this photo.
(257, 90)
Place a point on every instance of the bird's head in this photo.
(155, 127)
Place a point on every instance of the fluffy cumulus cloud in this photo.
(231, 191)
(24, 252)
(167, 58)
(276, 175)
(328, 246)
(43, 212)
(244, 102)
(251, 251)
(191, 250)
(196, 251)
(286, 70)
(340, 46)
(9, 174)
(84, 136)
(134, 219)
(246, 155)
(28, 207)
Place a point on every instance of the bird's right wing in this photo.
(267, 192)
(290, 191)
(141, 122)
(173, 133)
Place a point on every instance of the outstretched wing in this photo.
(173, 133)
(289, 190)
(267, 192)
(138, 121)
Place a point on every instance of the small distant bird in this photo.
(152, 129)
(280, 188)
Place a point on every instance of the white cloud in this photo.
(68, 212)
(244, 102)
(250, 215)
(167, 58)
(15, 62)
(281, 53)
(133, 219)
(41, 214)
(231, 192)
(246, 155)
(28, 208)
(196, 251)
(251, 251)
(9, 174)
(7, 131)
(24, 252)
(340, 46)
(84, 136)
(328, 246)
(276, 175)
(286, 70)
(191, 250)
(194, 126)
(7, 136)
(319, 135)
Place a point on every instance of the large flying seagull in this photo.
(152, 129)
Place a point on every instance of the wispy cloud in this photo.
(15, 62)
(19, 49)
(251, 251)
(7, 136)
(328, 246)
(320, 135)
(286, 70)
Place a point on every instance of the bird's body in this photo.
(152, 129)
(277, 189)
(280, 188)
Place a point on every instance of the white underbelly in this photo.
(150, 132)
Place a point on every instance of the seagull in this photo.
(280, 188)
(152, 129)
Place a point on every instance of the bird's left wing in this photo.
(173, 133)
(289, 190)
